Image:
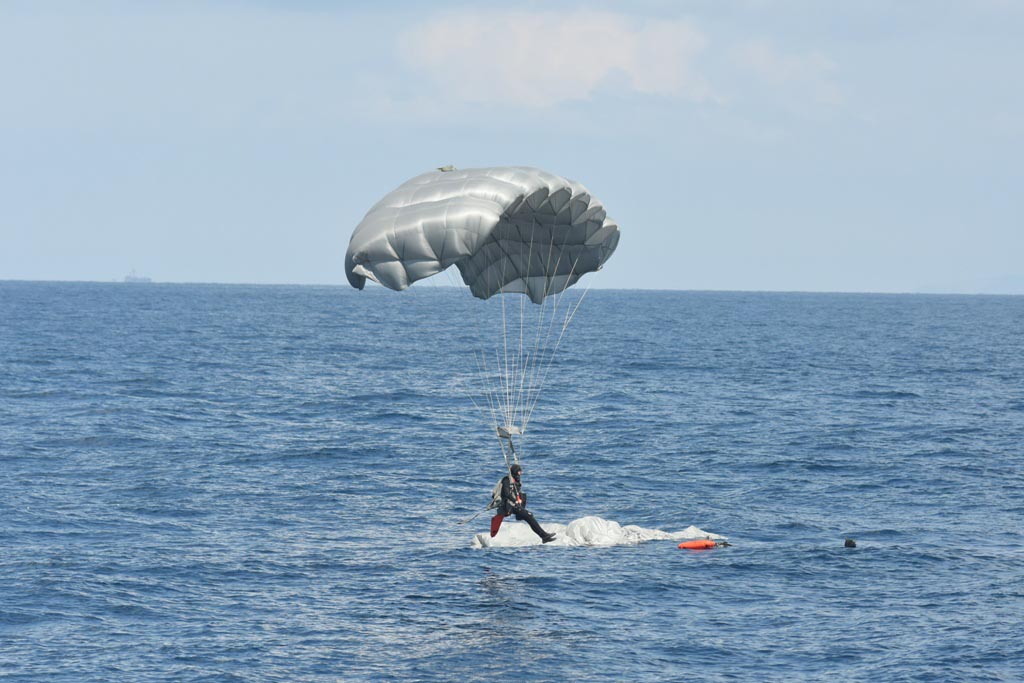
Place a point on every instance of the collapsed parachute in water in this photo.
(507, 229)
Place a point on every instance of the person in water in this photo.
(513, 502)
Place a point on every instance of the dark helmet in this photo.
(515, 470)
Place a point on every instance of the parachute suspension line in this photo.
(519, 359)
(504, 456)
(430, 284)
(561, 334)
(476, 404)
(505, 425)
(530, 373)
(499, 387)
(513, 390)
(511, 456)
(529, 357)
(482, 366)
(520, 408)
(565, 325)
(514, 362)
(493, 389)
(538, 349)
(504, 338)
(454, 279)
(568, 319)
(522, 314)
(540, 366)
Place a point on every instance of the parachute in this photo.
(508, 230)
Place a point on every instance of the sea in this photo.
(272, 483)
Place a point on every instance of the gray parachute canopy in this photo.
(507, 228)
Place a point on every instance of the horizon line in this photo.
(342, 285)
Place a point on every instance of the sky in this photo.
(751, 145)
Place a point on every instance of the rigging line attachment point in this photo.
(508, 431)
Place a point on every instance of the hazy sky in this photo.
(855, 146)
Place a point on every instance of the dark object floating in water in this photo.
(849, 543)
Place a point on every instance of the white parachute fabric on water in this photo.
(508, 229)
(586, 531)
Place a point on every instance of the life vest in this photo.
(496, 499)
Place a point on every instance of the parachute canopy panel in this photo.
(507, 229)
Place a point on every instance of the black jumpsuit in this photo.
(511, 494)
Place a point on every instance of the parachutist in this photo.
(513, 502)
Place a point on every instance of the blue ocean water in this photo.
(235, 483)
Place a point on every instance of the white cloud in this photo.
(805, 76)
(542, 59)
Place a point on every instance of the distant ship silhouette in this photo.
(134, 277)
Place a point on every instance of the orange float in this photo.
(699, 544)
